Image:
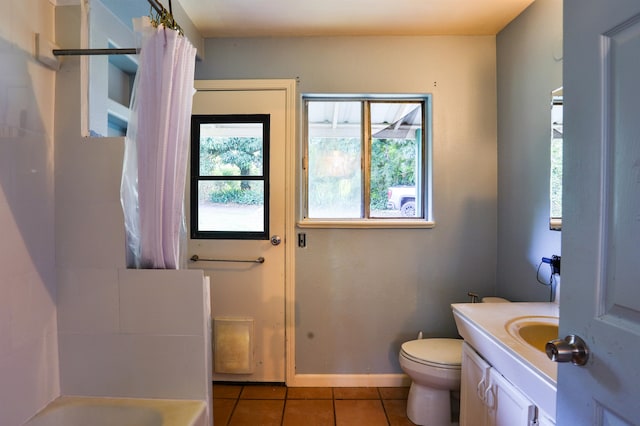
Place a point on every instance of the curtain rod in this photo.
(76, 52)
(155, 4)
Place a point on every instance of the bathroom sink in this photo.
(535, 331)
(511, 338)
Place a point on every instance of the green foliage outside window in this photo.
(393, 163)
(232, 156)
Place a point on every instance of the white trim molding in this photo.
(349, 380)
(65, 2)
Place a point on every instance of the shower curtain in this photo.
(156, 149)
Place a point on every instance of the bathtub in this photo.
(83, 411)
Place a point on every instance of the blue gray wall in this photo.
(361, 293)
(529, 64)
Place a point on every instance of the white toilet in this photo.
(434, 368)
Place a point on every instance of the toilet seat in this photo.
(437, 353)
(492, 299)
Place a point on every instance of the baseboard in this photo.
(349, 380)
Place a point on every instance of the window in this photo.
(366, 159)
(230, 177)
(555, 214)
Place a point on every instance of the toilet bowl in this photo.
(434, 368)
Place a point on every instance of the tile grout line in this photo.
(333, 402)
(384, 409)
(284, 406)
(235, 405)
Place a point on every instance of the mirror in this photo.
(555, 184)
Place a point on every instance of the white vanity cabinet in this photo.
(505, 379)
(488, 399)
(475, 372)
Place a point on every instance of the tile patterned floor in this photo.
(266, 405)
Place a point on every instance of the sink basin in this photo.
(535, 331)
(494, 332)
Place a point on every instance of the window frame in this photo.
(196, 177)
(423, 184)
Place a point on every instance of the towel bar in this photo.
(196, 258)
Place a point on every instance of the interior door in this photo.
(242, 290)
(601, 208)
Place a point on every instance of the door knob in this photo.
(570, 349)
(275, 240)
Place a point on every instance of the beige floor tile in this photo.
(260, 405)
(360, 412)
(257, 412)
(309, 393)
(356, 393)
(226, 391)
(264, 392)
(308, 412)
(222, 409)
(396, 410)
(394, 393)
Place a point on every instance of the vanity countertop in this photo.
(493, 319)
(485, 326)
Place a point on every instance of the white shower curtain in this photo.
(156, 149)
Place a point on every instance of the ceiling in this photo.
(278, 18)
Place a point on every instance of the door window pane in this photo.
(229, 176)
(224, 206)
(231, 149)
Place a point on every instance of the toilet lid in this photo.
(443, 352)
(494, 300)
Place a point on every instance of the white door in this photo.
(601, 224)
(251, 293)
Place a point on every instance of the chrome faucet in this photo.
(474, 297)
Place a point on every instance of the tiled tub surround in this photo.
(135, 334)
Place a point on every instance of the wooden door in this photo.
(251, 291)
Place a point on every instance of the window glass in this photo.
(231, 149)
(229, 176)
(365, 158)
(335, 155)
(556, 157)
(396, 142)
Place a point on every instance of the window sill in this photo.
(367, 224)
